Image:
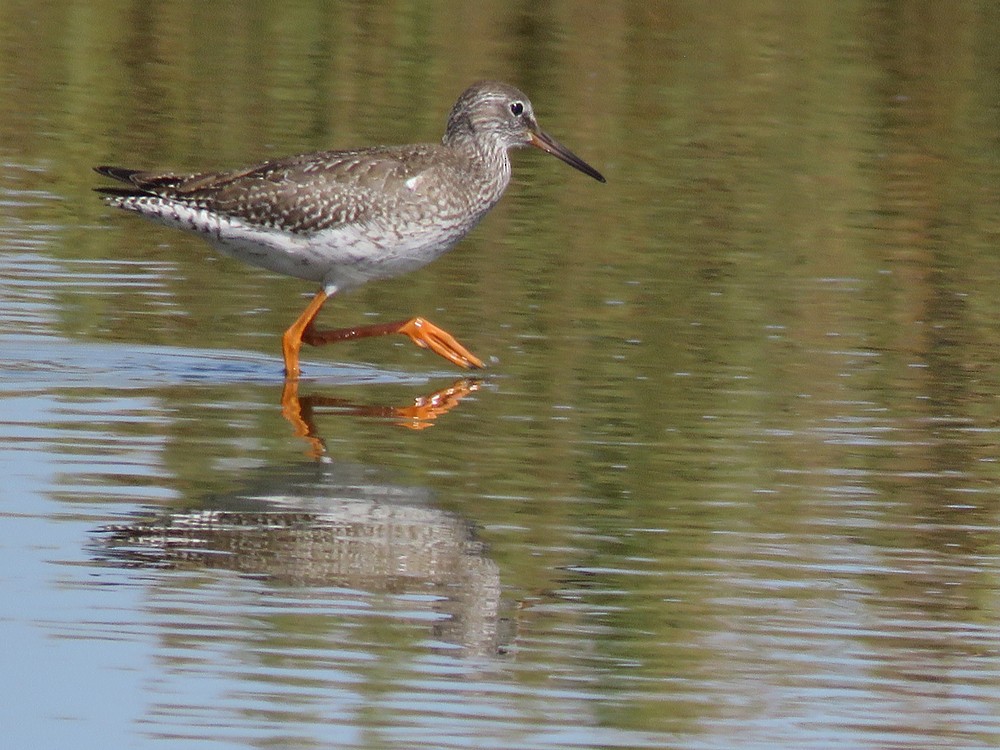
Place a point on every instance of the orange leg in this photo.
(291, 342)
(422, 332)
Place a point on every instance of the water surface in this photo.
(731, 478)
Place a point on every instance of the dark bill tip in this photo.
(550, 145)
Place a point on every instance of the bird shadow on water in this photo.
(329, 532)
(317, 528)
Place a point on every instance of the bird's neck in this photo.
(485, 155)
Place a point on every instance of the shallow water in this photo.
(730, 479)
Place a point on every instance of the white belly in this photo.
(341, 258)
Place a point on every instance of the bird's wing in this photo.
(301, 194)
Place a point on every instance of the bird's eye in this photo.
(516, 108)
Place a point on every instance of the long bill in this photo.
(548, 144)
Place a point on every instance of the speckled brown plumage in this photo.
(343, 218)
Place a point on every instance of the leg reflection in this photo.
(298, 410)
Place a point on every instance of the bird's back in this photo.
(320, 191)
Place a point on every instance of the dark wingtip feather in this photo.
(121, 174)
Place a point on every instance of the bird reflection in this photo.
(324, 528)
(299, 410)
